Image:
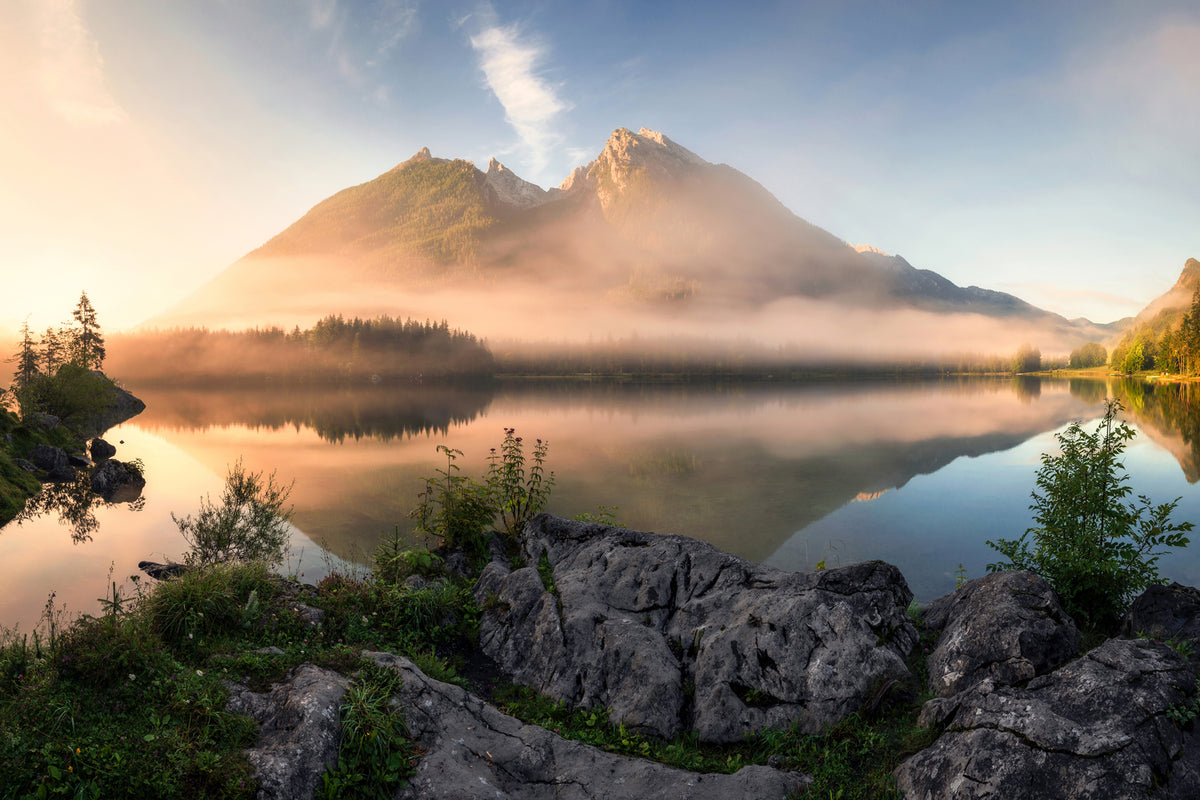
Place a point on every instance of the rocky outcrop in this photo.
(1104, 727)
(1167, 613)
(54, 461)
(119, 406)
(101, 450)
(671, 634)
(472, 750)
(299, 731)
(513, 190)
(1006, 627)
(117, 481)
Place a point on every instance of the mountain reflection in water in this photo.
(766, 471)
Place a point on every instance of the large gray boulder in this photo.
(1007, 627)
(1166, 613)
(48, 457)
(299, 731)
(670, 633)
(472, 751)
(1095, 729)
(116, 481)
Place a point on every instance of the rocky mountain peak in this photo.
(512, 189)
(630, 157)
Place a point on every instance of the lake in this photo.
(917, 473)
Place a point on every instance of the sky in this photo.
(1048, 149)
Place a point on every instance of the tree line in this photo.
(1158, 345)
(335, 350)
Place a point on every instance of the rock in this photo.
(21, 463)
(48, 457)
(121, 406)
(1095, 728)
(670, 633)
(47, 421)
(313, 617)
(299, 730)
(1165, 612)
(1007, 627)
(101, 450)
(116, 481)
(162, 572)
(472, 750)
(79, 461)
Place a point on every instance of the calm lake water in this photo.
(919, 474)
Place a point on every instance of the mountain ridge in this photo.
(647, 223)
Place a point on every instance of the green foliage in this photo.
(395, 561)
(251, 524)
(208, 601)
(455, 509)
(604, 515)
(1027, 359)
(73, 394)
(376, 752)
(1089, 355)
(459, 511)
(519, 494)
(1094, 547)
(1185, 713)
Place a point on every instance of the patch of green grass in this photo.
(376, 751)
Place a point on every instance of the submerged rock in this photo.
(670, 633)
(117, 481)
(1007, 627)
(1099, 728)
(472, 750)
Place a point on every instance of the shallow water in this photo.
(920, 474)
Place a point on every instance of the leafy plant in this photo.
(520, 491)
(455, 508)
(250, 524)
(1095, 548)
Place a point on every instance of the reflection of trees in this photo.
(1089, 390)
(75, 503)
(382, 413)
(1027, 387)
(1172, 408)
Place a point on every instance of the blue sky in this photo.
(1050, 149)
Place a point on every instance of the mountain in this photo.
(647, 227)
(1167, 309)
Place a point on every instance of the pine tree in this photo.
(26, 358)
(87, 348)
(54, 349)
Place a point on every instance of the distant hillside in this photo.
(1155, 336)
(648, 231)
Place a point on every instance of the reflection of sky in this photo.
(935, 522)
(767, 474)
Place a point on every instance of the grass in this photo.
(131, 703)
(17, 485)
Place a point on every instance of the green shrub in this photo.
(251, 524)
(1095, 548)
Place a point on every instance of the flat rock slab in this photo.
(1007, 627)
(671, 634)
(475, 751)
(299, 731)
(1096, 729)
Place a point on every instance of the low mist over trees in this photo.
(334, 350)
(1027, 359)
(1091, 354)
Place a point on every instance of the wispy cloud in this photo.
(71, 71)
(361, 38)
(510, 62)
